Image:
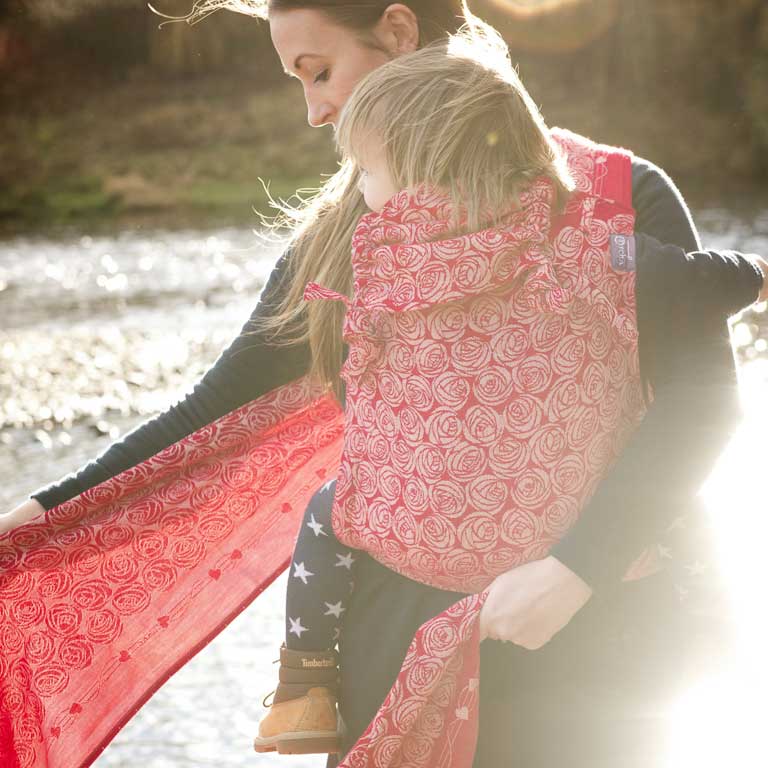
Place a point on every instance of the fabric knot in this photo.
(363, 329)
(542, 292)
(541, 289)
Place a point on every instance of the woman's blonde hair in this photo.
(452, 114)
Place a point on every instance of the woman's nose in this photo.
(319, 112)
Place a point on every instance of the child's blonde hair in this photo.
(455, 115)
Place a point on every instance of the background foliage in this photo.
(105, 112)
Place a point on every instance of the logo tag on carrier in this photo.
(623, 253)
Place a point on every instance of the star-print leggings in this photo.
(320, 579)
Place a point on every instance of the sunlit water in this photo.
(99, 334)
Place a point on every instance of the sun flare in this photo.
(720, 722)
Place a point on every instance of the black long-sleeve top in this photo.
(684, 296)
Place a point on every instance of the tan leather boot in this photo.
(303, 718)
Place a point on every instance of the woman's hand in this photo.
(530, 604)
(25, 512)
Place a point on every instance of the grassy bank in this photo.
(91, 152)
(139, 149)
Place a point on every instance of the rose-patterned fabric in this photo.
(108, 594)
(491, 380)
(103, 599)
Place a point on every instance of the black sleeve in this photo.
(685, 354)
(683, 304)
(248, 368)
(660, 210)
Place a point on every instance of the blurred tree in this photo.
(757, 90)
(52, 12)
(12, 17)
(179, 48)
(119, 35)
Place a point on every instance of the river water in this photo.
(98, 334)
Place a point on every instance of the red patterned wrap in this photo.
(103, 599)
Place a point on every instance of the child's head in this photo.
(452, 115)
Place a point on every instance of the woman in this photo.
(565, 687)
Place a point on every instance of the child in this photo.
(448, 456)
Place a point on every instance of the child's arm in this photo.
(712, 284)
(683, 301)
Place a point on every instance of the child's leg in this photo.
(320, 579)
(303, 718)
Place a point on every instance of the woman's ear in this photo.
(398, 29)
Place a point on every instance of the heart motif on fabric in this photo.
(462, 713)
(124, 655)
(75, 709)
(162, 621)
(286, 507)
(236, 554)
(214, 573)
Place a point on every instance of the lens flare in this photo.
(721, 721)
(552, 25)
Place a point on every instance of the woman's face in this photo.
(330, 59)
